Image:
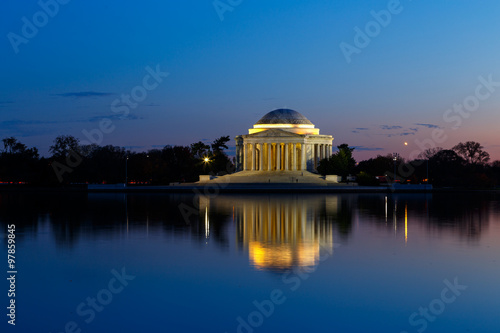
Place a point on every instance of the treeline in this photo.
(72, 163)
(465, 165)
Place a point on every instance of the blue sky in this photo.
(223, 75)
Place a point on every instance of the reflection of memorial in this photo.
(281, 234)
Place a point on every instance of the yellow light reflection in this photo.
(406, 223)
(386, 210)
(207, 224)
(281, 235)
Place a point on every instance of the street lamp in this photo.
(427, 182)
(395, 157)
(206, 161)
(126, 171)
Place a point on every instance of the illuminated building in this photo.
(282, 140)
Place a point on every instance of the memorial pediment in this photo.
(275, 133)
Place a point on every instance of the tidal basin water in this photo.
(253, 263)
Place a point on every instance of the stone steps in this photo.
(301, 177)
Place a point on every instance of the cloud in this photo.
(16, 122)
(130, 116)
(2, 103)
(399, 134)
(26, 128)
(363, 148)
(81, 94)
(387, 127)
(428, 125)
(358, 129)
(414, 129)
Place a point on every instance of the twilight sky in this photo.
(373, 74)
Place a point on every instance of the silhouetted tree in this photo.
(9, 143)
(18, 163)
(378, 166)
(341, 163)
(447, 168)
(200, 149)
(428, 153)
(472, 152)
(219, 144)
(64, 145)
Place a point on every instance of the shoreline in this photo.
(214, 188)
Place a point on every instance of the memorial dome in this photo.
(283, 116)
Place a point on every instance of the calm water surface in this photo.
(262, 263)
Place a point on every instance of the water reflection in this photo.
(281, 234)
(212, 257)
(278, 231)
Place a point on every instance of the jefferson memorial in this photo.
(282, 140)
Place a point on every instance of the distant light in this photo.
(206, 160)
(406, 143)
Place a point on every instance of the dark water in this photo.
(266, 263)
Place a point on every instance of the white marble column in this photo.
(286, 147)
(245, 160)
(278, 156)
(252, 145)
(261, 157)
(294, 157)
(314, 156)
(316, 148)
(303, 158)
(273, 156)
(269, 159)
